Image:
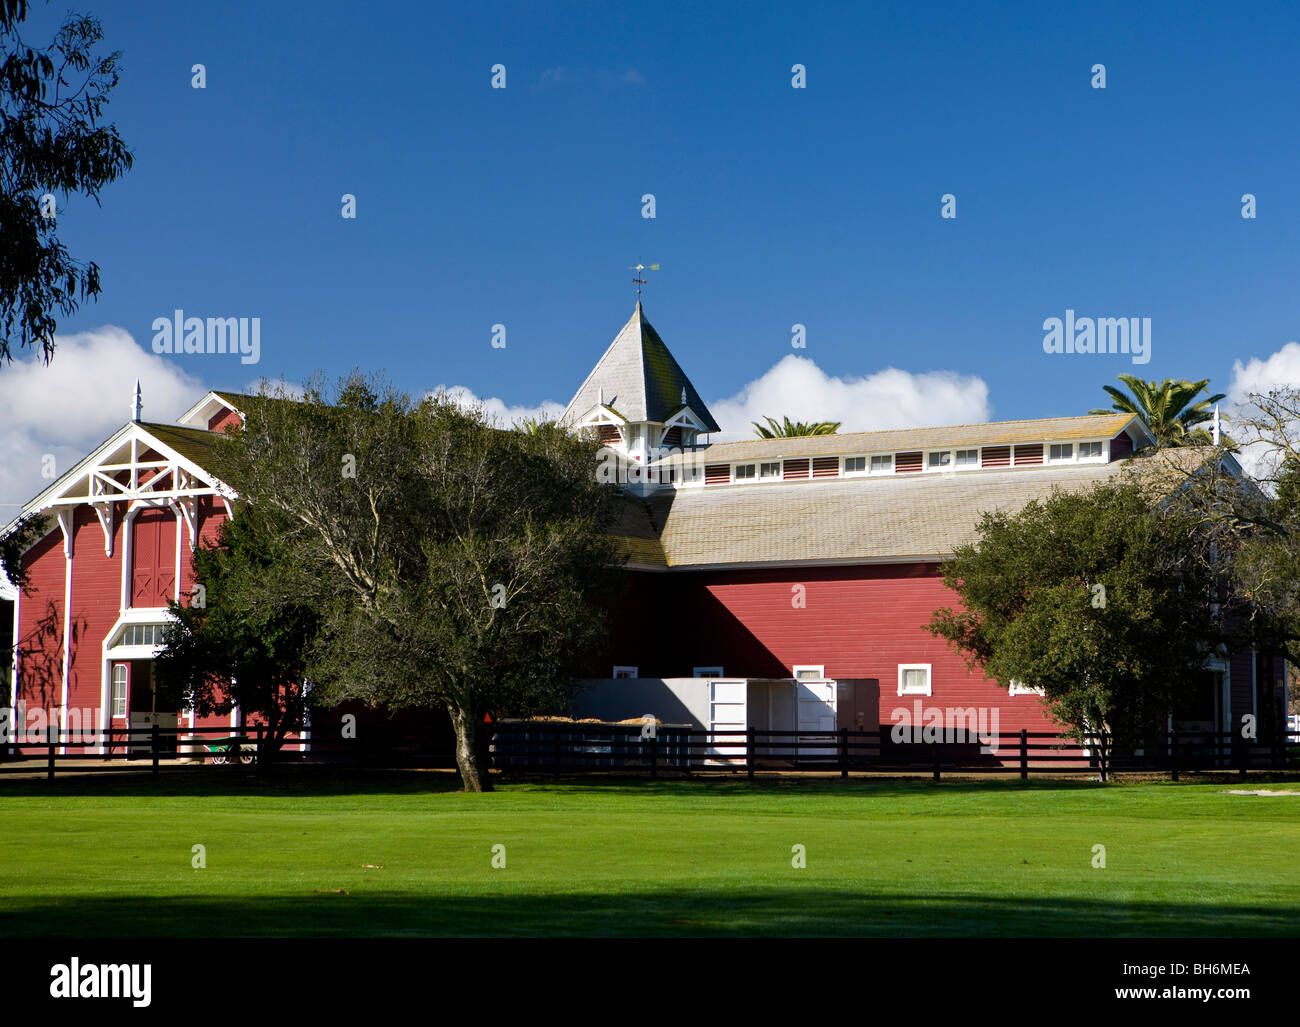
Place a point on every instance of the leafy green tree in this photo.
(52, 141)
(787, 429)
(456, 565)
(247, 636)
(1166, 408)
(1102, 599)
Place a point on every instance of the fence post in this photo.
(153, 748)
(257, 754)
(749, 753)
(844, 752)
(937, 759)
(50, 736)
(654, 754)
(1024, 754)
(1239, 753)
(1173, 754)
(555, 749)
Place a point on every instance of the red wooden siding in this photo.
(608, 434)
(859, 622)
(995, 456)
(1121, 446)
(717, 474)
(906, 463)
(219, 422)
(673, 438)
(1026, 455)
(826, 467)
(793, 470)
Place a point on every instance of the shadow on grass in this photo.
(324, 781)
(773, 912)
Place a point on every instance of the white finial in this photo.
(683, 395)
(137, 403)
(600, 396)
(1214, 433)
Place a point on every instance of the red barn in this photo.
(780, 584)
(120, 528)
(785, 584)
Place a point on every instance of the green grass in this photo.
(646, 859)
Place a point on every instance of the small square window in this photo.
(706, 672)
(770, 470)
(940, 460)
(1061, 451)
(968, 458)
(744, 472)
(1089, 450)
(624, 672)
(855, 464)
(914, 679)
(810, 673)
(882, 464)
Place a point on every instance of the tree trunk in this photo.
(473, 779)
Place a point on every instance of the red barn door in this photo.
(153, 571)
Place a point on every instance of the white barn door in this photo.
(816, 713)
(728, 712)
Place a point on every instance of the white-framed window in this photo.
(1089, 450)
(809, 672)
(914, 679)
(770, 470)
(1059, 451)
(855, 465)
(624, 672)
(119, 690)
(743, 472)
(882, 464)
(1017, 688)
(968, 458)
(941, 460)
(706, 672)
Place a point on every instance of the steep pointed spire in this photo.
(639, 378)
(137, 404)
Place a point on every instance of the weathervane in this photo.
(638, 279)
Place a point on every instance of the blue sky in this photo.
(774, 205)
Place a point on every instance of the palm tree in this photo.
(793, 429)
(1166, 408)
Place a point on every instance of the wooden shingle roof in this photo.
(999, 433)
(895, 518)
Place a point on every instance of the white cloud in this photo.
(497, 409)
(1278, 370)
(796, 387)
(78, 400)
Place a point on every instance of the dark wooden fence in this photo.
(569, 748)
(560, 747)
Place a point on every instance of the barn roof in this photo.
(997, 433)
(898, 518)
(638, 379)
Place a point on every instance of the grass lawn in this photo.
(113, 858)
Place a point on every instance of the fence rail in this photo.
(544, 746)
